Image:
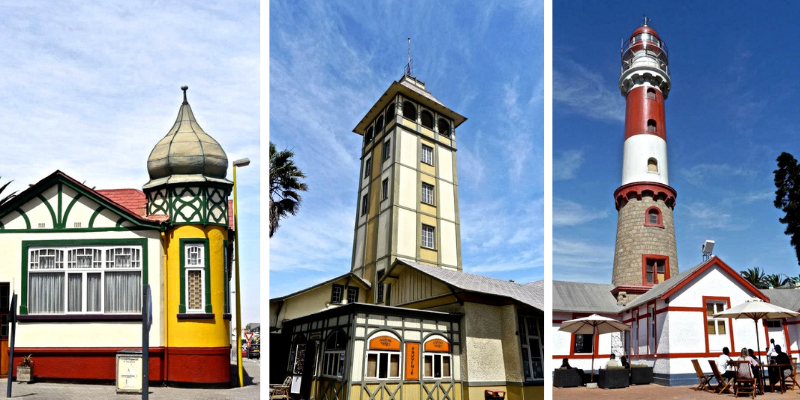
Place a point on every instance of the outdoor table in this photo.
(777, 368)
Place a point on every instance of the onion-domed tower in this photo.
(645, 252)
(189, 189)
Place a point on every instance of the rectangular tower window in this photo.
(365, 204)
(385, 191)
(387, 149)
(655, 270)
(428, 236)
(427, 193)
(337, 293)
(427, 154)
(380, 286)
(194, 267)
(368, 168)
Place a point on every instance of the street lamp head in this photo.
(242, 162)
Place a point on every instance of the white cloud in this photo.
(566, 164)
(705, 216)
(575, 259)
(570, 213)
(700, 174)
(586, 92)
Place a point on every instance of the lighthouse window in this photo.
(426, 119)
(652, 165)
(651, 125)
(653, 217)
(655, 270)
(651, 94)
(444, 127)
(409, 111)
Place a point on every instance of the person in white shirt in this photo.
(771, 350)
(612, 362)
(724, 364)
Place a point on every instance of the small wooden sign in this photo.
(311, 336)
(437, 345)
(384, 343)
(412, 361)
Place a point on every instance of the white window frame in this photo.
(388, 357)
(527, 338)
(427, 155)
(716, 340)
(385, 189)
(387, 149)
(429, 237)
(365, 204)
(368, 168)
(428, 193)
(433, 356)
(200, 266)
(65, 262)
(333, 362)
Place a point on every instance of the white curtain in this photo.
(74, 298)
(93, 288)
(46, 293)
(123, 292)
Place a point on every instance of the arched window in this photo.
(436, 358)
(444, 127)
(333, 358)
(651, 93)
(652, 165)
(368, 136)
(652, 217)
(383, 357)
(409, 110)
(379, 125)
(651, 125)
(426, 119)
(390, 113)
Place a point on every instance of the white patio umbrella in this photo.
(756, 309)
(594, 325)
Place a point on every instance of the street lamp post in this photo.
(238, 163)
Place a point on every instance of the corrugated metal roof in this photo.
(786, 298)
(531, 294)
(661, 288)
(584, 297)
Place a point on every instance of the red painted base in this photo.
(187, 365)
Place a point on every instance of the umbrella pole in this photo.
(594, 333)
(758, 343)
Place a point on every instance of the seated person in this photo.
(625, 363)
(783, 359)
(612, 362)
(724, 364)
(565, 365)
(745, 370)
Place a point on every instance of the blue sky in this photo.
(90, 89)
(730, 113)
(329, 63)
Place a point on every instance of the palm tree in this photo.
(756, 277)
(284, 186)
(7, 197)
(776, 280)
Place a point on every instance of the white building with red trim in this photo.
(670, 313)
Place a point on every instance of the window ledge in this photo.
(78, 317)
(196, 316)
(226, 316)
(654, 225)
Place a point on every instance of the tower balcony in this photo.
(644, 50)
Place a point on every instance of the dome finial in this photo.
(184, 88)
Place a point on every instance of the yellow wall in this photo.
(197, 332)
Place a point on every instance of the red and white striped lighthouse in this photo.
(645, 252)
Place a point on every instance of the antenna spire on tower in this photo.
(409, 66)
(645, 20)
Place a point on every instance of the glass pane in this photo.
(46, 293)
(710, 309)
(720, 307)
(394, 365)
(538, 373)
(93, 290)
(535, 348)
(194, 286)
(372, 365)
(428, 367)
(437, 366)
(341, 365)
(75, 297)
(5, 296)
(383, 365)
(721, 327)
(446, 366)
(660, 268)
(712, 330)
(4, 325)
(123, 292)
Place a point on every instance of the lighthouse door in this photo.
(5, 294)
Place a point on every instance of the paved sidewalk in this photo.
(67, 391)
(639, 392)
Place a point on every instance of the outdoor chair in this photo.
(792, 378)
(744, 382)
(724, 384)
(705, 379)
(641, 375)
(280, 391)
(611, 378)
(567, 378)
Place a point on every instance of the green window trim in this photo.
(26, 244)
(226, 309)
(207, 272)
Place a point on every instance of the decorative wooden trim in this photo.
(182, 244)
(716, 261)
(79, 317)
(184, 316)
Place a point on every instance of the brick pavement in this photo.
(67, 391)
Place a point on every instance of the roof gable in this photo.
(59, 202)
